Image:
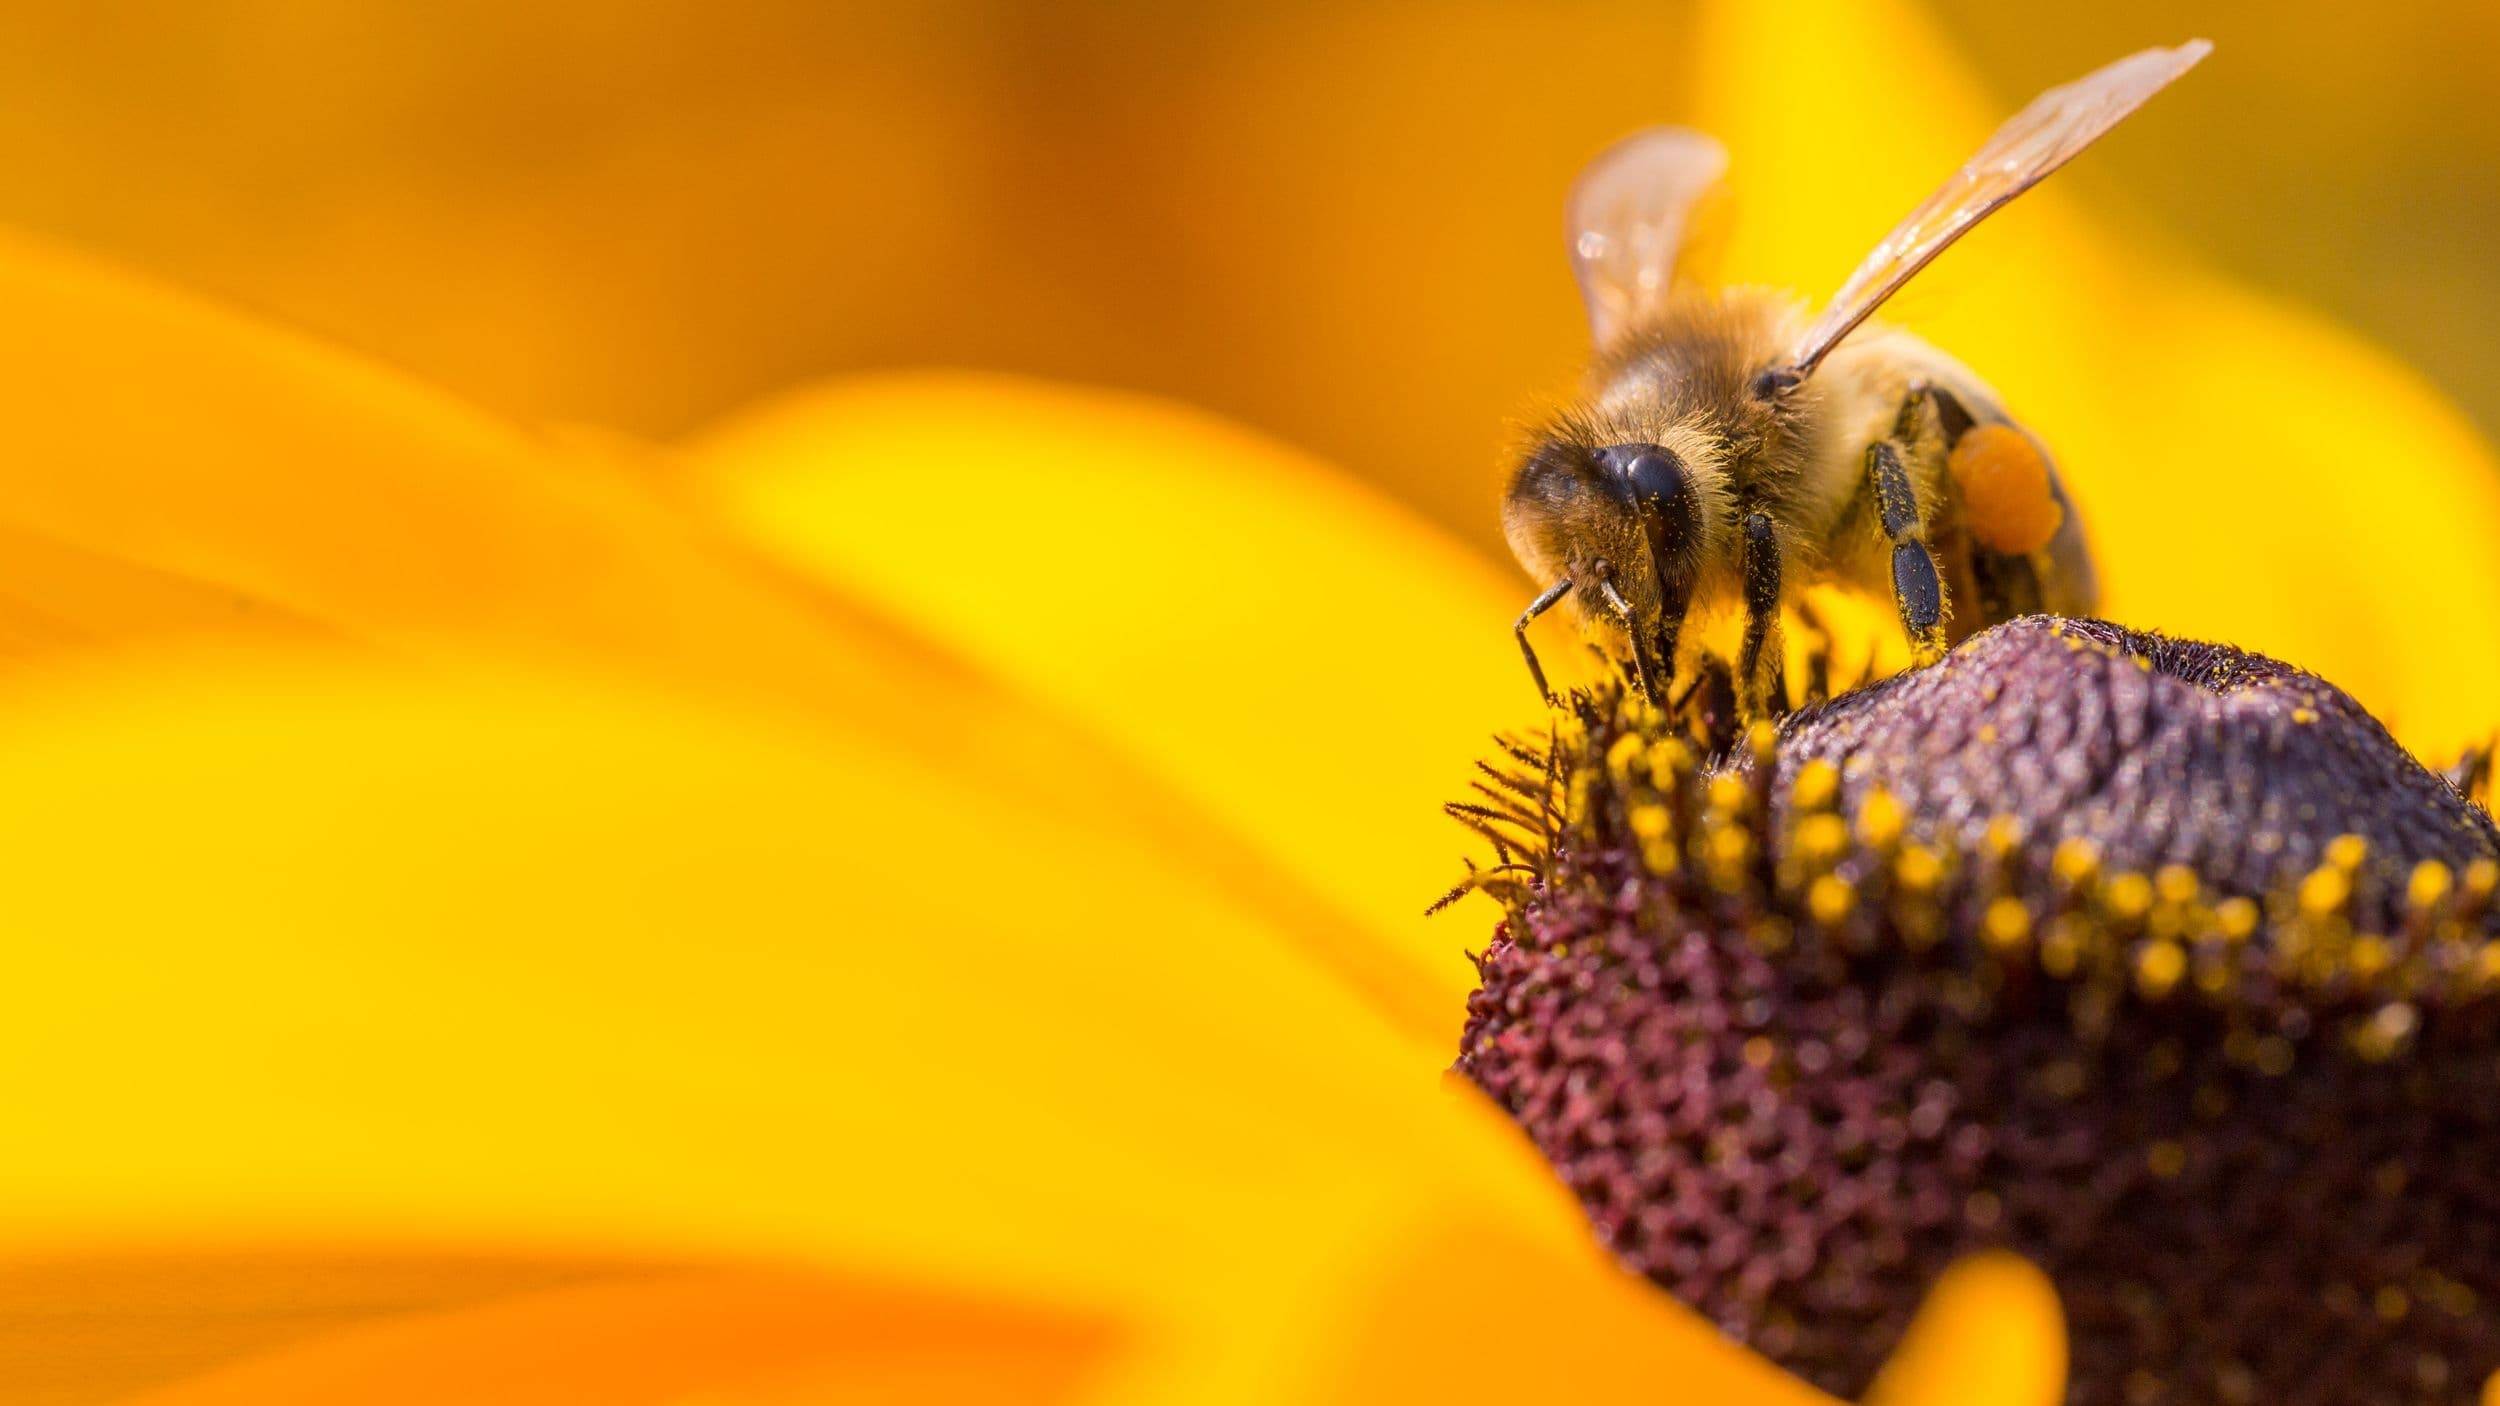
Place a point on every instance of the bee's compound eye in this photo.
(1776, 381)
(1650, 472)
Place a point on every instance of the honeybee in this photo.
(1731, 447)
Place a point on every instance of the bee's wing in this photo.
(1626, 222)
(2036, 141)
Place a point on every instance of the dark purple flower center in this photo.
(2160, 964)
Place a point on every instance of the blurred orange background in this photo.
(1338, 222)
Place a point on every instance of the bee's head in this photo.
(1630, 512)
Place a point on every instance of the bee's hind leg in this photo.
(1761, 682)
(2002, 585)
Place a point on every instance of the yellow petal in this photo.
(214, 462)
(103, 1322)
(171, 469)
(329, 955)
(1280, 645)
(1990, 1331)
(276, 487)
(2247, 472)
(59, 599)
(734, 1339)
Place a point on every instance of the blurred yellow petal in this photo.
(730, 1339)
(1990, 1331)
(1276, 642)
(58, 599)
(244, 464)
(176, 472)
(2247, 471)
(102, 1322)
(329, 955)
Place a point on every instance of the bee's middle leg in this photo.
(1917, 588)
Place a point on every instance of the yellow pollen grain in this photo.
(1730, 847)
(2304, 716)
(1651, 821)
(1620, 757)
(2213, 978)
(2324, 893)
(2075, 862)
(1987, 733)
(1880, 819)
(2371, 955)
(1822, 838)
(1830, 899)
(1759, 1050)
(1727, 794)
(2009, 500)
(2481, 877)
(2391, 1303)
(1669, 761)
(2346, 852)
(2061, 949)
(2143, 664)
(1762, 739)
(2004, 834)
(1918, 870)
(1660, 857)
(2487, 964)
(2130, 896)
(1817, 785)
(2429, 884)
(2007, 924)
(2236, 919)
(2166, 1159)
(2158, 968)
(2176, 883)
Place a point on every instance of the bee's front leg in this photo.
(1519, 628)
(1675, 600)
(1761, 674)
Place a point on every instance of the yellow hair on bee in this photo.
(2004, 481)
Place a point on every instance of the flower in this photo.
(2120, 954)
(914, 889)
